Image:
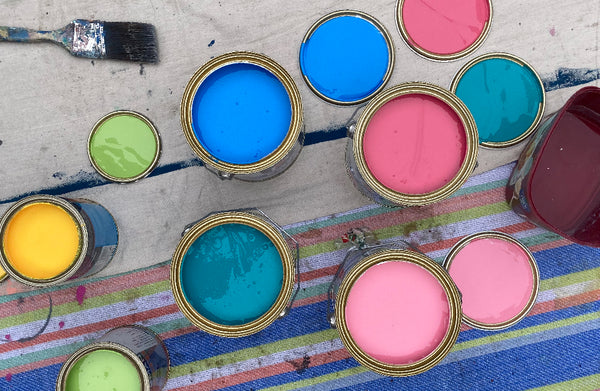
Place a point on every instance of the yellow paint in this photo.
(41, 241)
(2, 273)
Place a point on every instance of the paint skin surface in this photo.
(241, 113)
(232, 274)
(102, 370)
(41, 241)
(397, 312)
(445, 27)
(345, 59)
(414, 144)
(503, 96)
(495, 279)
(2, 273)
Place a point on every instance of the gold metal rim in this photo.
(519, 61)
(132, 357)
(534, 269)
(248, 58)
(455, 313)
(155, 133)
(471, 138)
(285, 293)
(388, 40)
(436, 56)
(83, 240)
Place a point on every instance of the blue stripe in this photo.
(567, 259)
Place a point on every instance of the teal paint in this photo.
(346, 58)
(232, 274)
(503, 96)
(241, 113)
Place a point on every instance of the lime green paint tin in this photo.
(124, 146)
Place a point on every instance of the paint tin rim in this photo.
(83, 239)
(386, 36)
(155, 133)
(287, 260)
(436, 56)
(94, 346)
(471, 138)
(268, 64)
(532, 263)
(454, 303)
(516, 60)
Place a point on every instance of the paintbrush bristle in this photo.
(131, 41)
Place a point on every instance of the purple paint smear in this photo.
(80, 294)
(61, 324)
(7, 337)
(8, 376)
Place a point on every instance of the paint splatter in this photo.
(141, 69)
(61, 324)
(25, 339)
(7, 337)
(8, 376)
(211, 43)
(301, 365)
(0, 142)
(569, 77)
(80, 294)
(553, 31)
(59, 175)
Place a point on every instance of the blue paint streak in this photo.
(241, 113)
(345, 59)
(570, 77)
(503, 96)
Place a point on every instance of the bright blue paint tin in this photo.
(346, 57)
(233, 273)
(241, 113)
(505, 96)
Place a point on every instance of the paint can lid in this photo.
(124, 146)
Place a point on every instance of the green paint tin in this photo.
(124, 146)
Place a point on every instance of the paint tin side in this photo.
(142, 347)
(288, 253)
(366, 181)
(379, 256)
(278, 160)
(97, 243)
(437, 56)
(514, 59)
(382, 30)
(155, 135)
(534, 270)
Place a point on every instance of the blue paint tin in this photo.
(242, 115)
(346, 57)
(504, 94)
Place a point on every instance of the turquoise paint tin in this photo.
(505, 95)
(233, 273)
(346, 57)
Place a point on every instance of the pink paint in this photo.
(80, 294)
(445, 27)
(495, 278)
(61, 324)
(553, 31)
(414, 144)
(9, 376)
(397, 312)
(7, 337)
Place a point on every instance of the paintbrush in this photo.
(95, 39)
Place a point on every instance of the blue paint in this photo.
(232, 274)
(241, 113)
(345, 58)
(503, 97)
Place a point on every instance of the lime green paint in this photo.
(123, 146)
(317, 380)
(103, 370)
(587, 383)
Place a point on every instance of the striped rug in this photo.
(556, 347)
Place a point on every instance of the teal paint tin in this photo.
(233, 273)
(505, 95)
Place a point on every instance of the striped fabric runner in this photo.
(556, 347)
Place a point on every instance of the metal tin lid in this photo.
(346, 57)
(497, 277)
(505, 96)
(124, 146)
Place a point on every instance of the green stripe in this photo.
(318, 380)
(313, 291)
(587, 383)
(591, 276)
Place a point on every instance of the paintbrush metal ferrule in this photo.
(88, 39)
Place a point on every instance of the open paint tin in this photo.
(47, 240)
(125, 358)
(124, 146)
(346, 57)
(497, 277)
(444, 30)
(397, 311)
(414, 144)
(505, 95)
(556, 180)
(232, 273)
(241, 113)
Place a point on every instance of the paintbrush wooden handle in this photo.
(20, 34)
